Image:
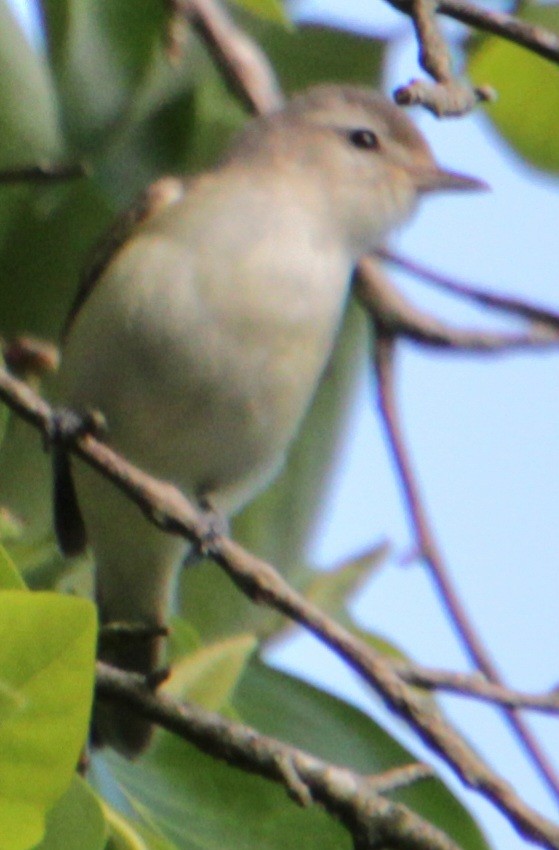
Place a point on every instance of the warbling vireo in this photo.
(203, 335)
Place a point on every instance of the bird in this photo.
(203, 327)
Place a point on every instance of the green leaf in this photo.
(203, 804)
(11, 527)
(4, 409)
(101, 54)
(4, 419)
(76, 821)
(123, 834)
(126, 834)
(32, 554)
(270, 10)
(290, 709)
(10, 578)
(312, 53)
(183, 639)
(42, 247)
(29, 124)
(28, 107)
(47, 653)
(332, 589)
(528, 90)
(209, 675)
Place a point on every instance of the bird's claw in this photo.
(216, 526)
(66, 425)
(120, 630)
(157, 677)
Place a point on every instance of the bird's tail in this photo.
(137, 648)
(135, 569)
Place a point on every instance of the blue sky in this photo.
(484, 437)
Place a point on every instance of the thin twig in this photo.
(449, 99)
(534, 38)
(447, 96)
(381, 298)
(401, 777)
(248, 72)
(493, 300)
(434, 55)
(384, 368)
(169, 510)
(353, 799)
(29, 356)
(243, 64)
(477, 686)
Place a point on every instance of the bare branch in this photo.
(504, 303)
(243, 64)
(27, 355)
(401, 777)
(167, 508)
(448, 99)
(448, 96)
(434, 55)
(476, 685)
(384, 345)
(248, 72)
(536, 39)
(352, 798)
(384, 302)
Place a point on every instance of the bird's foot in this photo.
(117, 630)
(124, 644)
(216, 526)
(66, 425)
(157, 677)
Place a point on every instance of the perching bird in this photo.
(202, 333)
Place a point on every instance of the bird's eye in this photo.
(365, 139)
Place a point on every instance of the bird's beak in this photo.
(437, 179)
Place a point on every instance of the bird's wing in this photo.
(152, 200)
(68, 521)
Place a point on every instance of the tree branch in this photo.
(169, 510)
(355, 800)
(505, 303)
(27, 356)
(247, 70)
(536, 39)
(448, 96)
(398, 315)
(243, 64)
(384, 349)
(477, 686)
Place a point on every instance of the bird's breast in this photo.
(203, 362)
